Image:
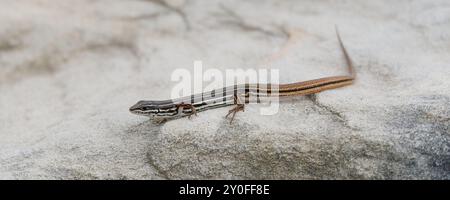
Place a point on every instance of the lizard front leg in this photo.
(188, 106)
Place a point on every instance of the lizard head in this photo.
(154, 109)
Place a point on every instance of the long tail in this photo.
(348, 60)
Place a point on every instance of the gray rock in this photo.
(70, 70)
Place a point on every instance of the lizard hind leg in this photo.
(239, 107)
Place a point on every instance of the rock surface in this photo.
(70, 70)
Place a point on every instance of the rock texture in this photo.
(70, 70)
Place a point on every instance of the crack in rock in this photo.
(115, 43)
(46, 63)
(144, 16)
(239, 22)
(174, 9)
(11, 40)
(164, 174)
(337, 115)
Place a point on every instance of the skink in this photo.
(238, 95)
